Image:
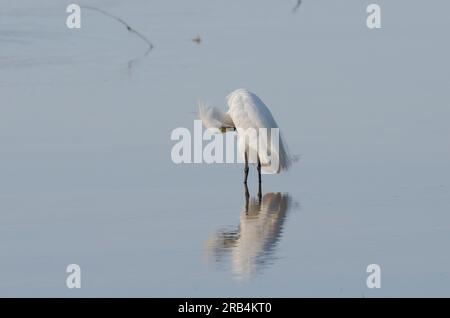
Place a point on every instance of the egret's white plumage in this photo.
(246, 110)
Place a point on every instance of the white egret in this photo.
(246, 110)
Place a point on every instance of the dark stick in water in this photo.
(297, 5)
(129, 28)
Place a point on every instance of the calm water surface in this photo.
(86, 175)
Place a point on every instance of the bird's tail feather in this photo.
(281, 154)
(284, 155)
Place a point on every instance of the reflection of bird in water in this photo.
(252, 245)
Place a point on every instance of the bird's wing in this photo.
(248, 111)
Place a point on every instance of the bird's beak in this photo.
(225, 129)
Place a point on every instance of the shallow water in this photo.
(86, 175)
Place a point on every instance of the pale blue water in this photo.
(86, 175)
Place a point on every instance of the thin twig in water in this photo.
(129, 29)
(297, 5)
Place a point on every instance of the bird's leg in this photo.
(259, 193)
(247, 197)
(258, 167)
(259, 179)
(246, 167)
